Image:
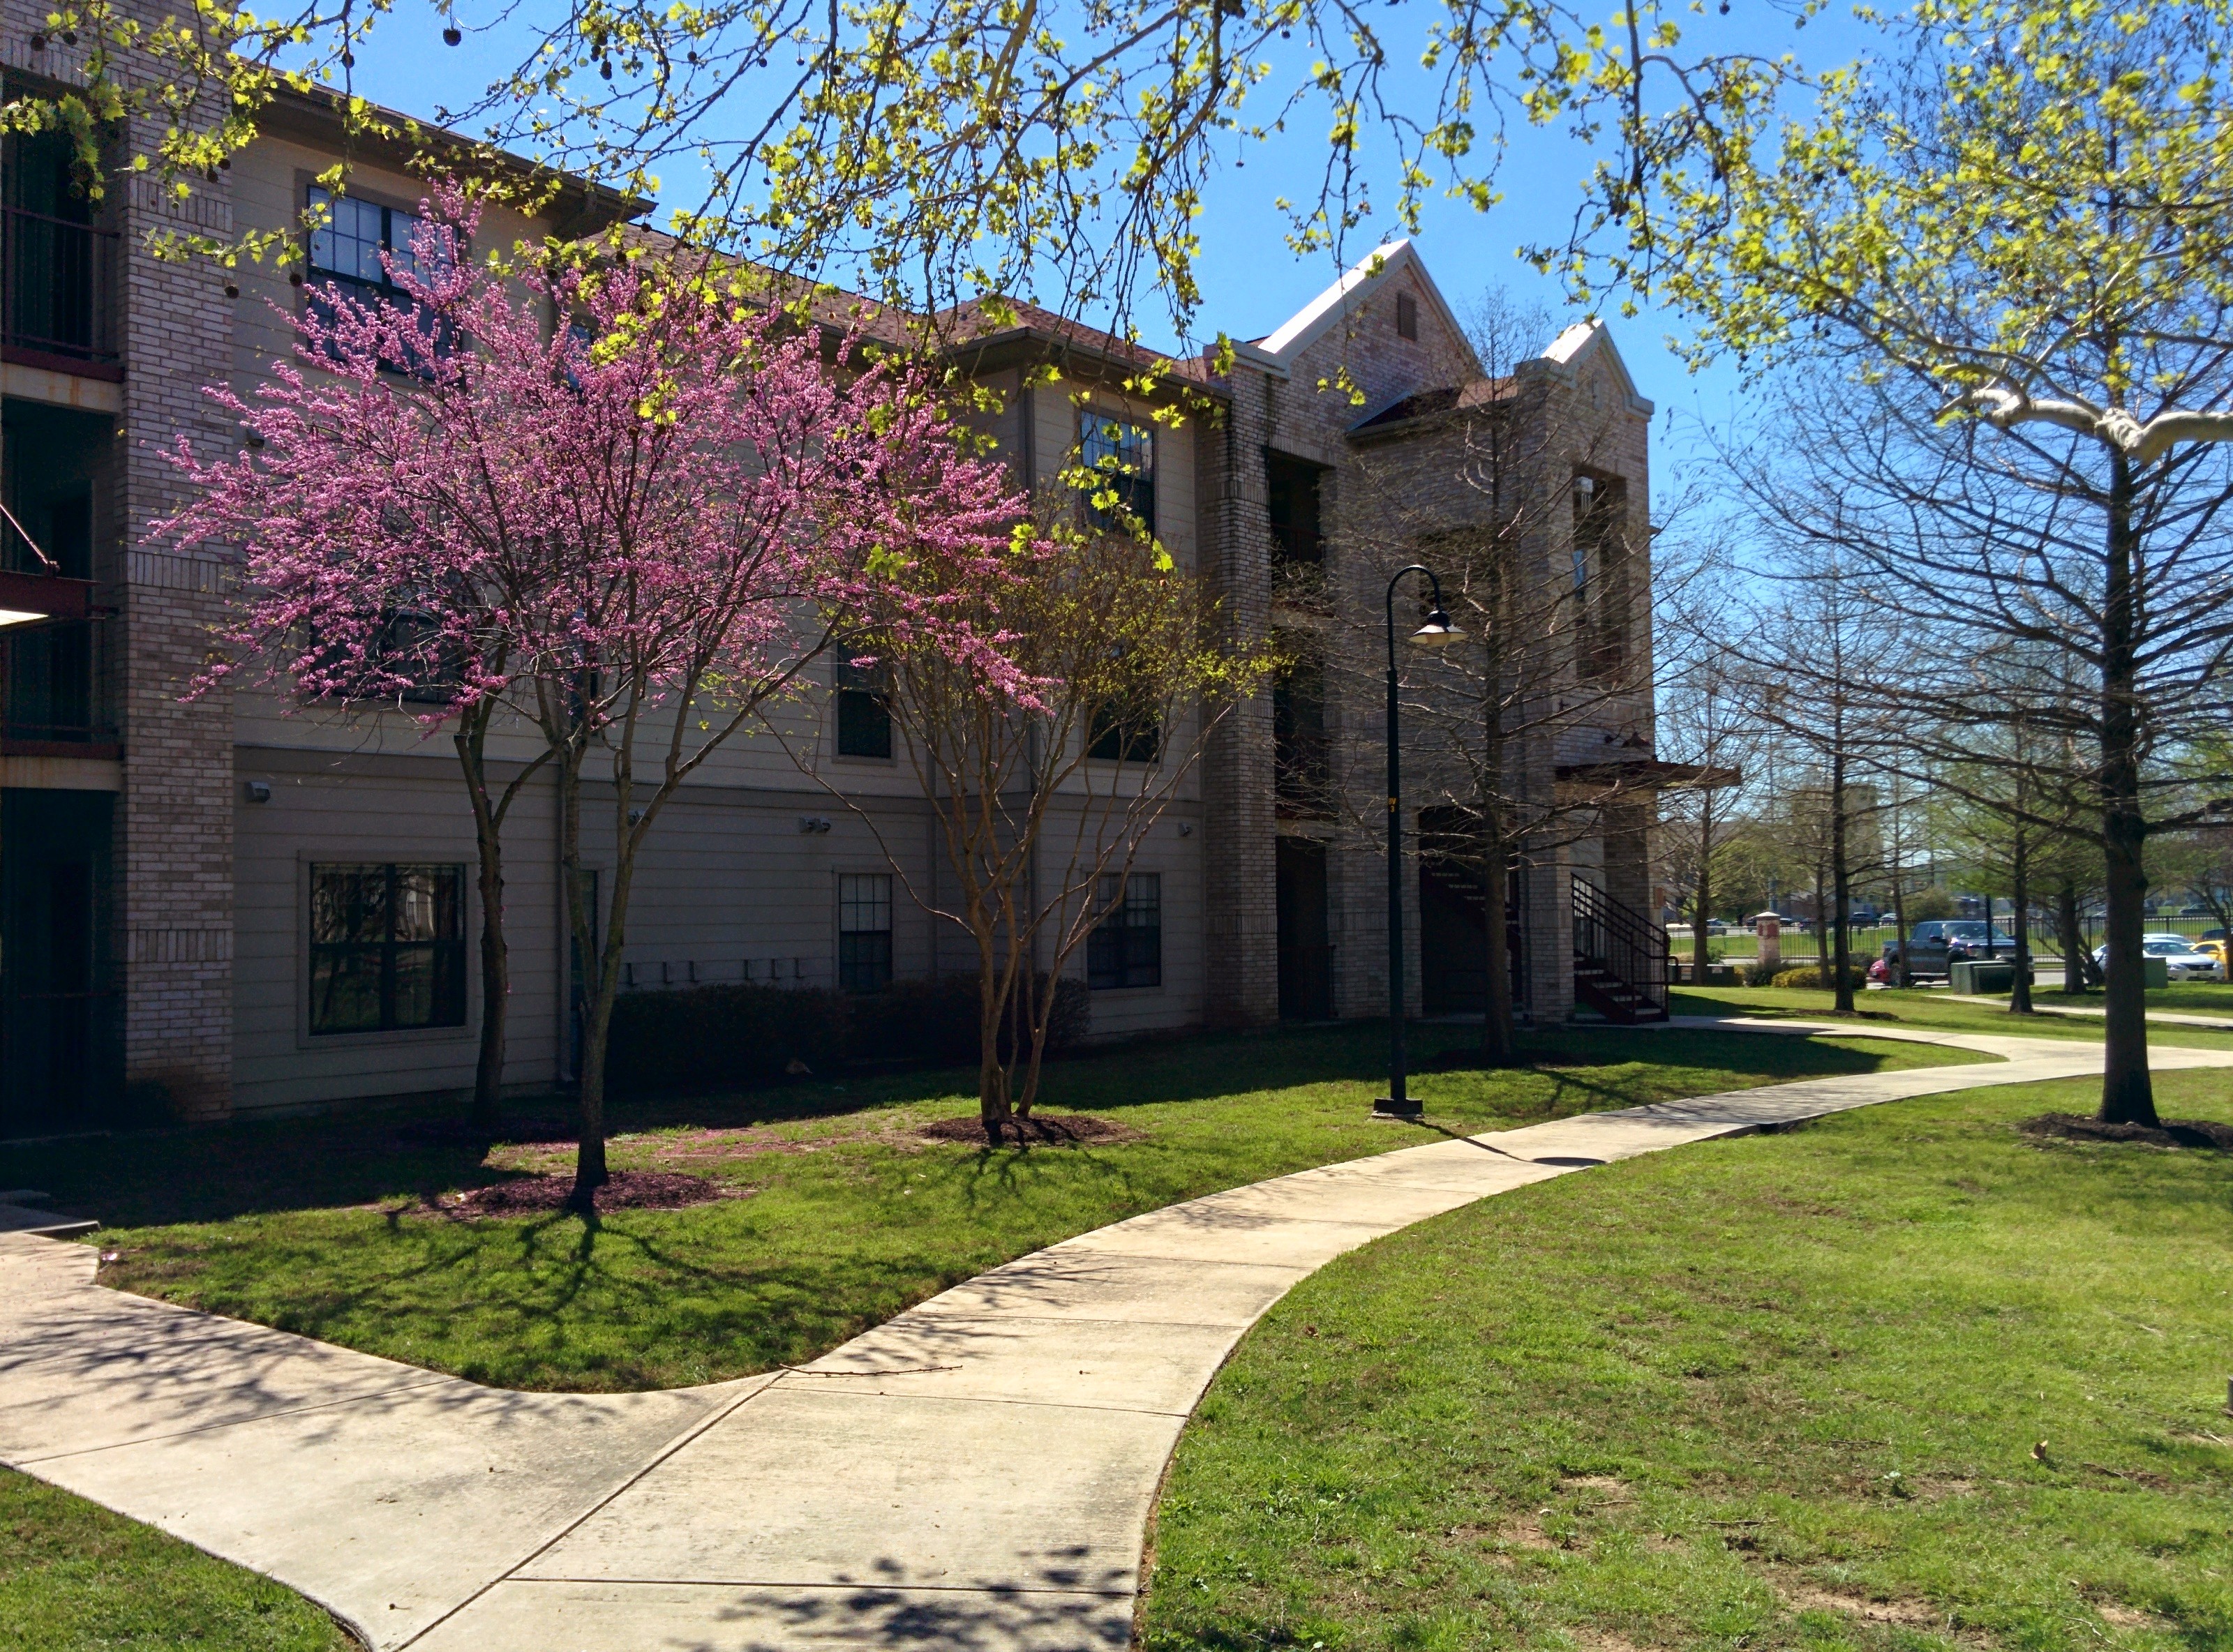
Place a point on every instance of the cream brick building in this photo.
(170, 870)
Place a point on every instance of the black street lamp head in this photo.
(1437, 632)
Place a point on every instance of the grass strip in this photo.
(1904, 1379)
(74, 1577)
(844, 1215)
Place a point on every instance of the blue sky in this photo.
(1250, 280)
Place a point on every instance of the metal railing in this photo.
(57, 683)
(1622, 942)
(58, 288)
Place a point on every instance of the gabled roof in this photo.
(1577, 345)
(1276, 352)
(1428, 405)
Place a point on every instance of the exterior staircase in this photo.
(1620, 959)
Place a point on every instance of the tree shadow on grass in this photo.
(212, 1173)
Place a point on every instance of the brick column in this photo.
(178, 804)
(1628, 855)
(1240, 916)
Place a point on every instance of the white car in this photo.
(2181, 961)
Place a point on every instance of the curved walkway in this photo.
(977, 1473)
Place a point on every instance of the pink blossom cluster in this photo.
(530, 477)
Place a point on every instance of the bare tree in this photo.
(2111, 653)
(1045, 782)
(1705, 722)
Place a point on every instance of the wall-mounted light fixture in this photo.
(259, 792)
(813, 823)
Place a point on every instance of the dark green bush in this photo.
(748, 1035)
(745, 1034)
(1819, 976)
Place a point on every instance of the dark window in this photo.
(864, 712)
(1126, 948)
(387, 948)
(1600, 608)
(1123, 456)
(345, 257)
(413, 645)
(865, 931)
(1407, 315)
(1123, 735)
(1300, 769)
(1292, 489)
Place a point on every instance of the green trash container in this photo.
(1983, 975)
(2155, 973)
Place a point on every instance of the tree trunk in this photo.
(2127, 1091)
(1500, 1044)
(496, 955)
(1701, 954)
(1899, 974)
(2074, 977)
(1842, 879)
(1821, 915)
(992, 1104)
(2020, 891)
(589, 1172)
(496, 985)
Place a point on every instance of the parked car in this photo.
(1934, 945)
(2215, 948)
(2182, 958)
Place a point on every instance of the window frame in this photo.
(1138, 964)
(463, 984)
(1135, 488)
(851, 685)
(849, 902)
(364, 288)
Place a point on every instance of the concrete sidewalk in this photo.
(977, 1473)
(2156, 1018)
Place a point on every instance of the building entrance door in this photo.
(1453, 939)
(1305, 949)
(57, 1054)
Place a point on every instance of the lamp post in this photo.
(1436, 633)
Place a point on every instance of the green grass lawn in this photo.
(1936, 1011)
(1779, 1392)
(319, 1225)
(74, 1577)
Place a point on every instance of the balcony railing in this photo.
(59, 303)
(58, 681)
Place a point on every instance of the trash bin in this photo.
(2154, 973)
(1984, 975)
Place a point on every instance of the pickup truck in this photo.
(1937, 943)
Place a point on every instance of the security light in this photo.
(1437, 632)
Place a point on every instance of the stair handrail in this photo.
(1622, 941)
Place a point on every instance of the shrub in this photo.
(1819, 976)
(743, 1034)
(748, 1035)
(935, 1020)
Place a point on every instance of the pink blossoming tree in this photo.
(624, 533)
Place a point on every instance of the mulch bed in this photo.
(458, 1132)
(2172, 1133)
(625, 1190)
(1040, 1130)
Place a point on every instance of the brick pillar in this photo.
(1628, 855)
(1240, 917)
(177, 801)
